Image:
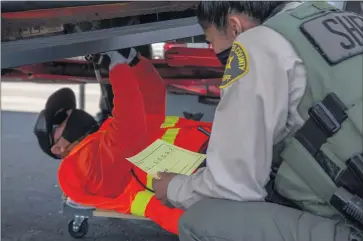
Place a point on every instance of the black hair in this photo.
(216, 12)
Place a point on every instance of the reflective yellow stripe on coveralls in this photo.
(142, 198)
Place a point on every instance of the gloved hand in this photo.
(100, 60)
(112, 58)
(121, 56)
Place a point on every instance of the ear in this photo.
(235, 25)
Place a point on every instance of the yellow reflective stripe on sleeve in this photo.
(139, 204)
(149, 181)
(170, 121)
(170, 135)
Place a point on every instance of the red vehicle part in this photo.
(187, 57)
(184, 70)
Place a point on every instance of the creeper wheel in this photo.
(78, 227)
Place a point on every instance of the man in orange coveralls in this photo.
(94, 170)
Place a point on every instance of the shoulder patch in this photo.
(237, 65)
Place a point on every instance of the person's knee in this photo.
(184, 230)
(185, 219)
(190, 216)
(186, 233)
(230, 220)
(206, 219)
(192, 221)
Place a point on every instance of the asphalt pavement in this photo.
(30, 195)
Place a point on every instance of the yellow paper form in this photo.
(161, 156)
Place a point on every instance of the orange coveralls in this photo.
(96, 172)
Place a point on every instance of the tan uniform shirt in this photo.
(256, 111)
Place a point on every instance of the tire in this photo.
(83, 229)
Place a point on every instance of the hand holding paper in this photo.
(161, 156)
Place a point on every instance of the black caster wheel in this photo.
(78, 229)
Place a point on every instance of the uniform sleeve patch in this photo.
(237, 65)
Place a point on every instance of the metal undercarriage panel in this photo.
(30, 51)
(28, 14)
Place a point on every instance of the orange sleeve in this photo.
(164, 216)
